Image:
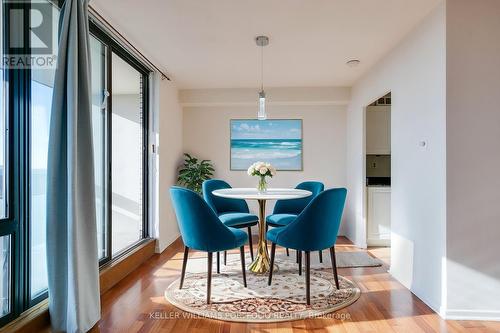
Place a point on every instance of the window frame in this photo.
(16, 103)
(17, 222)
(113, 46)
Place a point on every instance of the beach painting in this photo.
(277, 141)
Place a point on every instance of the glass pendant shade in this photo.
(262, 106)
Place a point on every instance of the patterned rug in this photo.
(284, 300)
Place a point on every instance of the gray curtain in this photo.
(73, 269)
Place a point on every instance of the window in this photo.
(126, 155)
(99, 107)
(119, 114)
(5, 275)
(41, 85)
(6, 222)
(119, 124)
(3, 114)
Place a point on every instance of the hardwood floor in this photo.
(136, 304)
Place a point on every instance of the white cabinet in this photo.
(379, 216)
(378, 130)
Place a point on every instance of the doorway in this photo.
(378, 172)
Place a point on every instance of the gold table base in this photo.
(262, 262)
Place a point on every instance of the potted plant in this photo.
(193, 172)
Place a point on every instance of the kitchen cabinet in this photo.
(379, 216)
(378, 130)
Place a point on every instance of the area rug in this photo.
(345, 259)
(284, 300)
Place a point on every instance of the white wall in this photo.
(415, 74)
(473, 159)
(169, 154)
(206, 131)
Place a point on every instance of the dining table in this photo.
(261, 264)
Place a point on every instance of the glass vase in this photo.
(262, 185)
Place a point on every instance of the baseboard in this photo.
(159, 248)
(457, 314)
(378, 242)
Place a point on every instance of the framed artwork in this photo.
(276, 141)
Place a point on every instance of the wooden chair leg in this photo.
(334, 266)
(299, 253)
(218, 262)
(184, 263)
(243, 268)
(209, 277)
(250, 242)
(225, 258)
(320, 256)
(273, 251)
(287, 252)
(308, 278)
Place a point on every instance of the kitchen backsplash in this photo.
(378, 165)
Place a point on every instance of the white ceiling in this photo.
(209, 43)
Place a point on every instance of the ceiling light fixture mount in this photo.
(353, 63)
(262, 41)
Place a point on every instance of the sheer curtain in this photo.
(72, 259)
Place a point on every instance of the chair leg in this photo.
(243, 268)
(308, 278)
(250, 242)
(209, 277)
(297, 256)
(287, 252)
(218, 262)
(320, 256)
(184, 263)
(273, 252)
(334, 266)
(225, 258)
(299, 253)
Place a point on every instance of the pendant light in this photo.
(262, 41)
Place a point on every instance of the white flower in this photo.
(261, 169)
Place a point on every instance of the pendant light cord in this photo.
(262, 68)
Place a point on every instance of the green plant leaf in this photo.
(193, 172)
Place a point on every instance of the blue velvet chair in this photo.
(315, 229)
(202, 230)
(232, 212)
(285, 211)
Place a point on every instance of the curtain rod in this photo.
(113, 30)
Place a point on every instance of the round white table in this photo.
(261, 263)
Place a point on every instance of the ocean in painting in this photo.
(278, 142)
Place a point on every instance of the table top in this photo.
(270, 194)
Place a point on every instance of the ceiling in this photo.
(210, 43)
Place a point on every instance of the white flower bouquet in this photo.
(262, 170)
